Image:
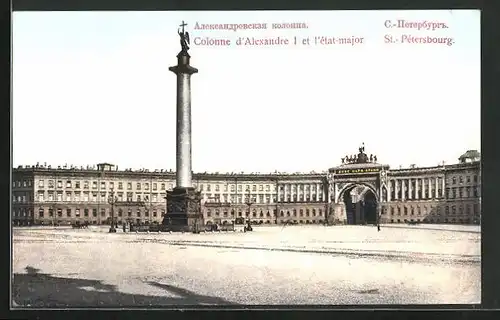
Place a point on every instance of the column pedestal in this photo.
(183, 211)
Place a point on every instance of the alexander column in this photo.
(183, 202)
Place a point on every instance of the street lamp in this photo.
(112, 199)
(249, 203)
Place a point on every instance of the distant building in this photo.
(358, 191)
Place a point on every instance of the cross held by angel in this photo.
(184, 35)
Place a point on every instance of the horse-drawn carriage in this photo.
(79, 225)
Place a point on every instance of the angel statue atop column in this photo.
(184, 35)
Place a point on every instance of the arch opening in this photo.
(360, 205)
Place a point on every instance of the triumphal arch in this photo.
(357, 189)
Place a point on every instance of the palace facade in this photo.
(358, 191)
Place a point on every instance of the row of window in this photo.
(263, 198)
(290, 187)
(461, 179)
(104, 197)
(308, 212)
(103, 185)
(25, 183)
(462, 192)
(469, 208)
(428, 194)
(104, 212)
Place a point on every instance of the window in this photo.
(208, 187)
(233, 188)
(68, 196)
(68, 184)
(85, 196)
(51, 183)
(85, 185)
(103, 212)
(146, 213)
(103, 185)
(216, 188)
(239, 188)
(59, 184)
(77, 212)
(40, 212)
(129, 186)
(268, 188)
(120, 185)
(475, 178)
(129, 213)
(163, 187)
(254, 187)
(225, 188)
(68, 212)
(138, 213)
(111, 185)
(77, 185)
(154, 198)
(155, 186)
(25, 183)
(146, 186)
(454, 180)
(468, 179)
(138, 197)
(261, 187)
(40, 184)
(59, 197)
(120, 212)
(77, 196)
(40, 197)
(94, 184)
(59, 212)
(85, 212)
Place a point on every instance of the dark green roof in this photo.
(470, 154)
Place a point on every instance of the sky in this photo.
(91, 87)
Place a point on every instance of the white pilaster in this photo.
(423, 189)
(410, 189)
(403, 189)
